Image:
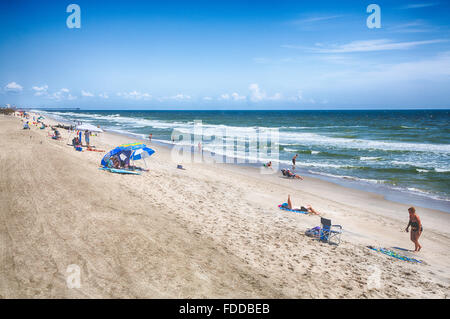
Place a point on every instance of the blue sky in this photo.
(225, 55)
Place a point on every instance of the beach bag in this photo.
(313, 232)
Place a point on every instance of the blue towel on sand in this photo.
(284, 206)
(394, 254)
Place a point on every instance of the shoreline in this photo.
(210, 231)
(391, 194)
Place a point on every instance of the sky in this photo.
(225, 55)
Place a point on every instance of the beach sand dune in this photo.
(210, 231)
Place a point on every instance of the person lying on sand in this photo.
(416, 228)
(290, 174)
(308, 208)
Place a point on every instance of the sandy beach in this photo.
(209, 231)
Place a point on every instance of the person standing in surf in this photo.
(293, 161)
(150, 137)
(416, 228)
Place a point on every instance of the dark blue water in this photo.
(407, 151)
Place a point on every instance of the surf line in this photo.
(196, 309)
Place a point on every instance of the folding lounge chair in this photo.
(330, 233)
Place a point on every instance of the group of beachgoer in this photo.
(116, 162)
(414, 222)
(287, 172)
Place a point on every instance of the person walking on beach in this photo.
(416, 228)
(199, 147)
(293, 161)
(150, 137)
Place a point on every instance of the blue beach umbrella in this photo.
(141, 153)
(134, 152)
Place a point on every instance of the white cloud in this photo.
(276, 97)
(416, 26)
(315, 19)
(425, 69)
(62, 94)
(135, 95)
(257, 95)
(420, 5)
(178, 97)
(104, 95)
(40, 90)
(207, 98)
(237, 97)
(300, 98)
(368, 46)
(13, 87)
(233, 96)
(86, 94)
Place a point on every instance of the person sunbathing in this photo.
(292, 175)
(308, 208)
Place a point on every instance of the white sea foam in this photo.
(369, 158)
(300, 138)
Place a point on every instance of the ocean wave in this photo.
(419, 166)
(369, 158)
(251, 133)
(353, 178)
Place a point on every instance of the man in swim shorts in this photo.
(293, 161)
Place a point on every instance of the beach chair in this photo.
(329, 233)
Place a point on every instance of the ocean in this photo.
(404, 155)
